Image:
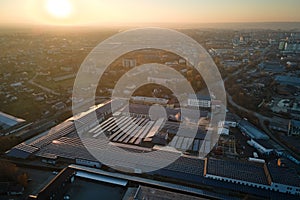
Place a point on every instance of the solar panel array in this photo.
(100, 112)
(187, 165)
(26, 148)
(284, 176)
(127, 128)
(22, 151)
(184, 143)
(69, 148)
(237, 170)
(67, 128)
(63, 141)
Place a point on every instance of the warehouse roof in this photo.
(244, 171)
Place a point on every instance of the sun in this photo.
(59, 8)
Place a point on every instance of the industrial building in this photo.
(7, 121)
(251, 131)
(62, 144)
(199, 101)
(135, 131)
(256, 179)
(263, 146)
(294, 127)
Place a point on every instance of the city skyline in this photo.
(78, 12)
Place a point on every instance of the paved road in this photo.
(31, 81)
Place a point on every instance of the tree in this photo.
(7, 142)
(9, 172)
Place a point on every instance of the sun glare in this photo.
(59, 8)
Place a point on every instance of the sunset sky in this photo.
(123, 12)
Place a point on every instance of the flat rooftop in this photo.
(63, 141)
(237, 170)
(251, 130)
(150, 193)
(7, 120)
(134, 130)
(83, 188)
(285, 176)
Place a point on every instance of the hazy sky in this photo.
(103, 12)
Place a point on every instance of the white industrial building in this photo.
(199, 101)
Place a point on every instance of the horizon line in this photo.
(138, 24)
